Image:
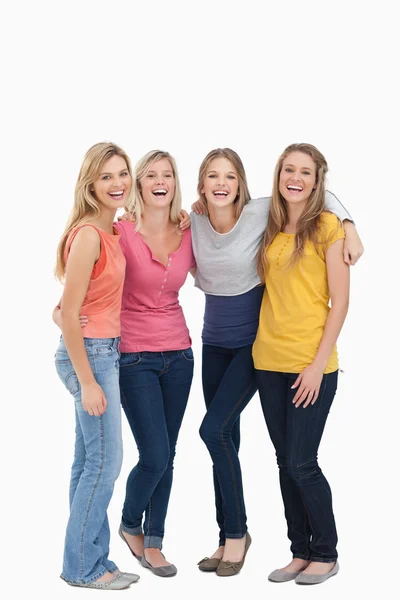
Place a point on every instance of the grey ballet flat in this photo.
(306, 579)
(168, 571)
(121, 535)
(117, 583)
(131, 577)
(279, 576)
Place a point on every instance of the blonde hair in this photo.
(243, 196)
(135, 207)
(308, 225)
(86, 207)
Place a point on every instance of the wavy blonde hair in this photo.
(308, 225)
(243, 196)
(135, 207)
(86, 207)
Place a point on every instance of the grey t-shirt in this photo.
(227, 262)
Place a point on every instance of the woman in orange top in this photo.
(92, 266)
(294, 354)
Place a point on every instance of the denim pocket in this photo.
(130, 359)
(68, 376)
(104, 351)
(188, 354)
(62, 356)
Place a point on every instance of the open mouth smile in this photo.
(160, 192)
(116, 195)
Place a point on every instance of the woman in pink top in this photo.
(91, 262)
(156, 365)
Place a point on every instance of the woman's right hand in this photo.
(127, 216)
(198, 208)
(93, 399)
(83, 320)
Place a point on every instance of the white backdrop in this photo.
(188, 77)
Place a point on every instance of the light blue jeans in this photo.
(97, 463)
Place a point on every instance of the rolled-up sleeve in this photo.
(333, 204)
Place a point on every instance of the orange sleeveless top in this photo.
(102, 303)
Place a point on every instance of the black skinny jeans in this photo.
(296, 434)
(228, 386)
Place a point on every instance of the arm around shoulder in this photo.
(353, 248)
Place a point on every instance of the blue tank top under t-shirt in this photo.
(232, 321)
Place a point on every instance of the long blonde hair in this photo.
(307, 227)
(243, 196)
(86, 207)
(135, 207)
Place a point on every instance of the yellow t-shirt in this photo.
(295, 304)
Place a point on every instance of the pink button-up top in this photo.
(151, 317)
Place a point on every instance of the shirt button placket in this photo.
(166, 275)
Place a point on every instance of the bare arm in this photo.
(309, 380)
(353, 247)
(56, 316)
(85, 250)
(339, 288)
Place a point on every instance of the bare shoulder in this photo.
(88, 233)
(87, 238)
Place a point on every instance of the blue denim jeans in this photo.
(96, 466)
(296, 434)
(228, 385)
(155, 389)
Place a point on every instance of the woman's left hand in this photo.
(184, 220)
(353, 248)
(308, 383)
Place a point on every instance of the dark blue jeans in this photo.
(228, 385)
(296, 434)
(154, 392)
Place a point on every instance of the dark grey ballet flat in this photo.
(168, 571)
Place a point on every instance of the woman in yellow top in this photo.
(301, 259)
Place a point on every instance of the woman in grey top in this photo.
(227, 228)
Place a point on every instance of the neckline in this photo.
(151, 251)
(227, 232)
(114, 234)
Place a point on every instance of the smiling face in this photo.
(113, 185)
(158, 184)
(298, 177)
(221, 183)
